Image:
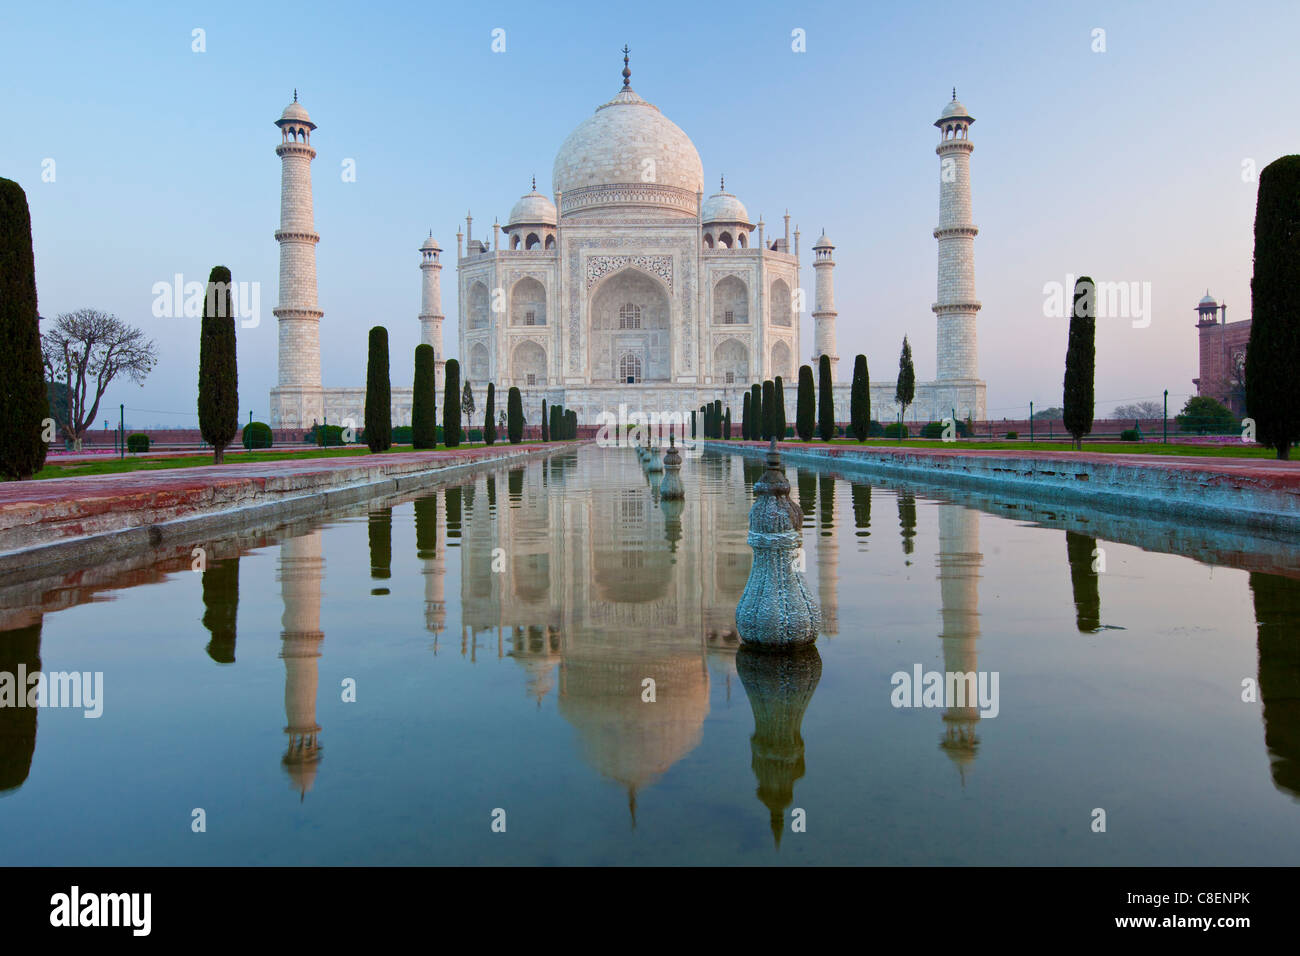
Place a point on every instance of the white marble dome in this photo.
(724, 207)
(295, 113)
(532, 209)
(628, 142)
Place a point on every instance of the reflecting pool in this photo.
(539, 665)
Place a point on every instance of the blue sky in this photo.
(1125, 164)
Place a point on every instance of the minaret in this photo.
(824, 303)
(301, 569)
(431, 304)
(956, 305)
(297, 400)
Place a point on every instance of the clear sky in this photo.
(1125, 164)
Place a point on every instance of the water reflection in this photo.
(302, 569)
(220, 604)
(780, 687)
(959, 562)
(1080, 550)
(20, 653)
(1277, 618)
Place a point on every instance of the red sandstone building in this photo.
(1223, 355)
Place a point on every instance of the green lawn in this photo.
(114, 466)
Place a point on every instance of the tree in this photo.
(424, 400)
(546, 426)
(778, 395)
(1051, 414)
(1206, 416)
(905, 390)
(22, 378)
(860, 400)
(726, 425)
(467, 405)
(489, 417)
(515, 416)
(86, 350)
(744, 417)
(1080, 361)
(1135, 410)
(756, 412)
(218, 375)
(769, 409)
(379, 393)
(805, 405)
(1273, 354)
(825, 399)
(555, 423)
(451, 404)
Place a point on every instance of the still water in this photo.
(378, 686)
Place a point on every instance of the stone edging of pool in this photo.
(62, 521)
(1251, 492)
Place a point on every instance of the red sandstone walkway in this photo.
(1263, 472)
(37, 512)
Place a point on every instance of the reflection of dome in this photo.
(724, 207)
(629, 142)
(532, 209)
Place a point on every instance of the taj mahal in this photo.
(628, 286)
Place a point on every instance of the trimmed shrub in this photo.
(257, 435)
(474, 435)
(1205, 416)
(1013, 436)
(424, 400)
(895, 430)
(218, 376)
(379, 393)
(825, 400)
(1130, 434)
(137, 442)
(860, 400)
(322, 435)
(451, 404)
(875, 429)
(489, 416)
(515, 417)
(22, 372)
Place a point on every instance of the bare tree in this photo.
(1140, 410)
(86, 350)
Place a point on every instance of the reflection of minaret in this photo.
(21, 646)
(828, 558)
(959, 563)
(779, 687)
(430, 536)
(862, 513)
(220, 601)
(1277, 617)
(301, 569)
(1084, 581)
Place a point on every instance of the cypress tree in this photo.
(1080, 361)
(905, 390)
(555, 423)
(218, 376)
(1273, 355)
(825, 400)
(571, 431)
(744, 417)
(756, 412)
(546, 426)
(804, 419)
(726, 425)
(779, 396)
(451, 404)
(489, 416)
(22, 372)
(515, 416)
(769, 409)
(379, 398)
(424, 414)
(860, 399)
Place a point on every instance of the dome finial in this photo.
(295, 94)
(954, 94)
(534, 184)
(627, 74)
(722, 186)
